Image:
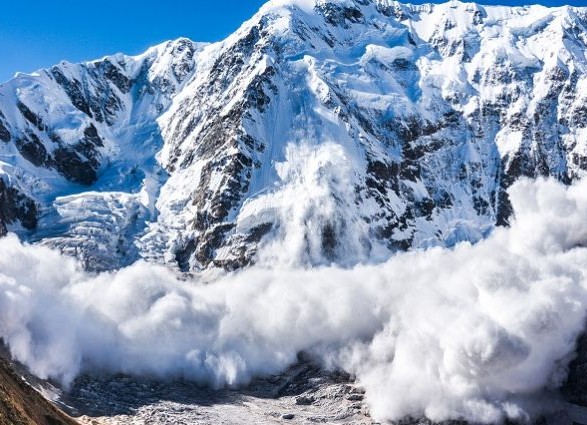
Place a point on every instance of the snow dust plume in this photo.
(314, 211)
(475, 332)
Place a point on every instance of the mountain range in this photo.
(320, 133)
(343, 130)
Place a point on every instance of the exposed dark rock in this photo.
(112, 73)
(256, 96)
(73, 89)
(339, 15)
(33, 150)
(232, 62)
(304, 400)
(185, 49)
(4, 133)
(92, 136)
(15, 206)
(20, 404)
(73, 167)
(100, 102)
(184, 253)
(382, 177)
(424, 207)
(257, 233)
(210, 241)
(30, 116)
(395, 10)
(106, 105)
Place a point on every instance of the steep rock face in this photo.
(320, 131)
(22, 405)
(433, 111)
(14, 206)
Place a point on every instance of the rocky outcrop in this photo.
(16, 207)
(22, 405)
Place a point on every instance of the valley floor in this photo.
(304, 394)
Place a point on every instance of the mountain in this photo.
(321, 131)
(22, 405)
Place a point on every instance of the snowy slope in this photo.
(82, 144)
(320, 131)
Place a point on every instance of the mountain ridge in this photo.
(192, 152)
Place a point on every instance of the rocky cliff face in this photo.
(20, 404)
(320, 131)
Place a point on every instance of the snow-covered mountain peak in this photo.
(406, 123)
(174, 58)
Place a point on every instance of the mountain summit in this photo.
(319, 132)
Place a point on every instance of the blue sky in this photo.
(38, 33)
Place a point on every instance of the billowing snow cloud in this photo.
(474, 332)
